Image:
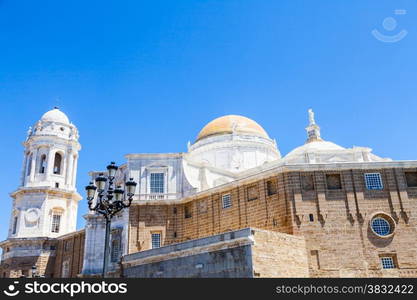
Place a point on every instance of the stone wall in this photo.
(236, 254)
(278, 255)
(208, 216)
(20, 255)
(335, 223)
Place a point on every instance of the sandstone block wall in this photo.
(236, 254)
(277, 255)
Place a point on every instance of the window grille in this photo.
(373, 181)
(381, 226)
(157, 183)
(156, 240)
(387, 262)
(227, 201)
(56, 223)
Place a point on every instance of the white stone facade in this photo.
(227, 149)
(46, 203)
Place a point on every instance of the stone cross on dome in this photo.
(313, 130)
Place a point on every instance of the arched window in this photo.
(42, 165)
(57, 163)
(29, 166)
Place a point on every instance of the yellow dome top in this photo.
(232, 123)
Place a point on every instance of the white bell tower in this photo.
(46, 203)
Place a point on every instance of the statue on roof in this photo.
(313, 130)
(311, 116)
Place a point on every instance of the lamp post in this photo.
(109, 201)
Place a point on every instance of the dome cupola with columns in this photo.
(226, 146)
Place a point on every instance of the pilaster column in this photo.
(24, 168)
(33, 164)
(50, 164)
(74, 171)
(70, 163)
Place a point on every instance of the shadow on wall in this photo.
(379, 242)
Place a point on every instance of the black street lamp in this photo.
(109, 201)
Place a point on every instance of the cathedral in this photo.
(231, 206)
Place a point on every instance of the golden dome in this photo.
(232, 123)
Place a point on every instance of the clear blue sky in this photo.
(146, 76)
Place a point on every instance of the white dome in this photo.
(316, 146)
(55, 115)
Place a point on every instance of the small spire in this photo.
(313, 130)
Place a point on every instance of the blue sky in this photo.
(146, 76)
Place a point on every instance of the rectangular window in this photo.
(65, 269)
(387, 262)
(227, 201)
(56, 222)
(14, 225)
(202, 206)
(411, 178)
(307, 182)
(373, 181)
(271, 187)
(188, 211)
(156, 240)
(252, 192)
(157, 183)
(334, 182)
(66, 246)
(115, 250)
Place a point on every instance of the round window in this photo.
(382, 225)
